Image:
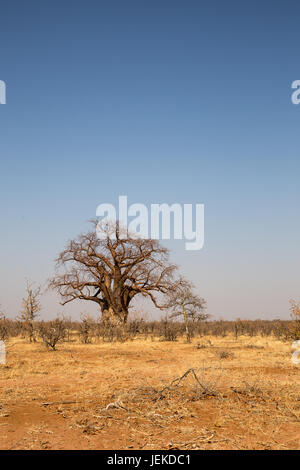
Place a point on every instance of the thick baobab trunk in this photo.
(109, 316)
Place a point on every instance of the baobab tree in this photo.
(112, 270)
(183, 302)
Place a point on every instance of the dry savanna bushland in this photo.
(122, 381)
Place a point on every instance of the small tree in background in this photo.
(184, 303)
(295, 314)
(31, 307)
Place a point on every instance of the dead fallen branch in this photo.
(116, 404)
(50, 403)
(207, 389)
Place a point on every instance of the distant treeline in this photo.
(89, 330)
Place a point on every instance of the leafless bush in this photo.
(225, 354)
(68, 327)
(86, 329)
(121, 333)
(52, 332)
(207, 344)
(4, 328)
(169, 330)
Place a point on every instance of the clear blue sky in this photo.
(165, 101)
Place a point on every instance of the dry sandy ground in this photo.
(112, 396)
